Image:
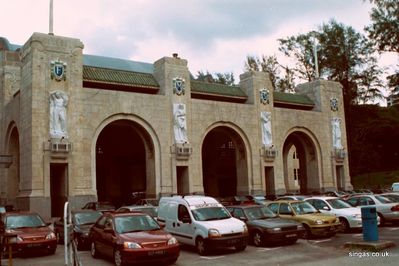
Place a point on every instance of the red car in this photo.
(30, 232)
(132, 238)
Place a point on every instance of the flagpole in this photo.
(51, 19)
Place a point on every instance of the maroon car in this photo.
(29, 231)
(132, 238)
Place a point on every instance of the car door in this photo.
(96, 234)
(285, 211)
(108, 236)
(183, 227)
(321, 206)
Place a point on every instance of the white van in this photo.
(395, 186)
(202, 222)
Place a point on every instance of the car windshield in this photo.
(303, 207)
(135, 223)
(338, 204)
(86, 217)
(383, 199)
(28, 220)
(210, 213)
(392, 197)
(256, 213)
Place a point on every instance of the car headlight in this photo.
(337, 220)
(300, 227)
(50, 236)
(172, 241)
(131, 245)
(318, 222)
(356, 216)
(212, 233)
(245, 229)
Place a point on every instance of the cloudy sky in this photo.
(213, 35)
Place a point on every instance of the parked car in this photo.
(395, 186)
(150, 210)
(335, 193)
(102, 206)
(202, 222)
(265, 227)
(292, 197)
(31, 232)
(148, 202)
(82, 221)
(260, 200)
(393, 196)
(386, 209)
(132, 238)
(314, 222)
(349, 216)
(363, 191)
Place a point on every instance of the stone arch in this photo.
(308, 153)
(225, 155)
(136, 144)
(12, 147)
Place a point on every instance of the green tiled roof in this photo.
(118, 77)
(292, 98)
(217, 89)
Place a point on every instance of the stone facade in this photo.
(27, 83)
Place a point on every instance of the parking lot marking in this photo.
(267, 249)
(212, 258)
(320, 241)
(392, 229)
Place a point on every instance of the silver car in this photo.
(387, 210)
(349, 216)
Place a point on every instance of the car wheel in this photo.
(118, 257)
(257, 238)
(307, 233)
(344, 225)
(93, 250)
(201, 246)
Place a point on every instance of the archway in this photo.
(124, 162)
(301, 163)
(13, 176)
(224, 165)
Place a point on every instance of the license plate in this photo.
(156, 252)
(34, 245)
(291, 235)
(233, 241)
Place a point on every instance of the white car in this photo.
(386, 209)
(350, 217)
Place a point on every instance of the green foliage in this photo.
(375, 180)
(221, 78)
(373, 134)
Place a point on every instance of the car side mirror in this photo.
(326, 208)
(108, 230)
(243, 219)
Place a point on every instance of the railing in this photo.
(182, 150)
(269, 153)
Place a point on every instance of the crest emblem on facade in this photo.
(264, 96)
(334, 104)
(179, 86)
(58, 70)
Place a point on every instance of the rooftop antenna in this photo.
(50, 32)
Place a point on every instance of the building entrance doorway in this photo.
(58, 188)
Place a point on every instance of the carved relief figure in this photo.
(336, 132)
(58, 119)
(180, 127)
(266, 128)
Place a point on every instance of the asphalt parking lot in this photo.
(316, 251)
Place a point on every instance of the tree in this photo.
(385, 24)
(344, 55)
(270, 64)
(221, 78)
(384, 30)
